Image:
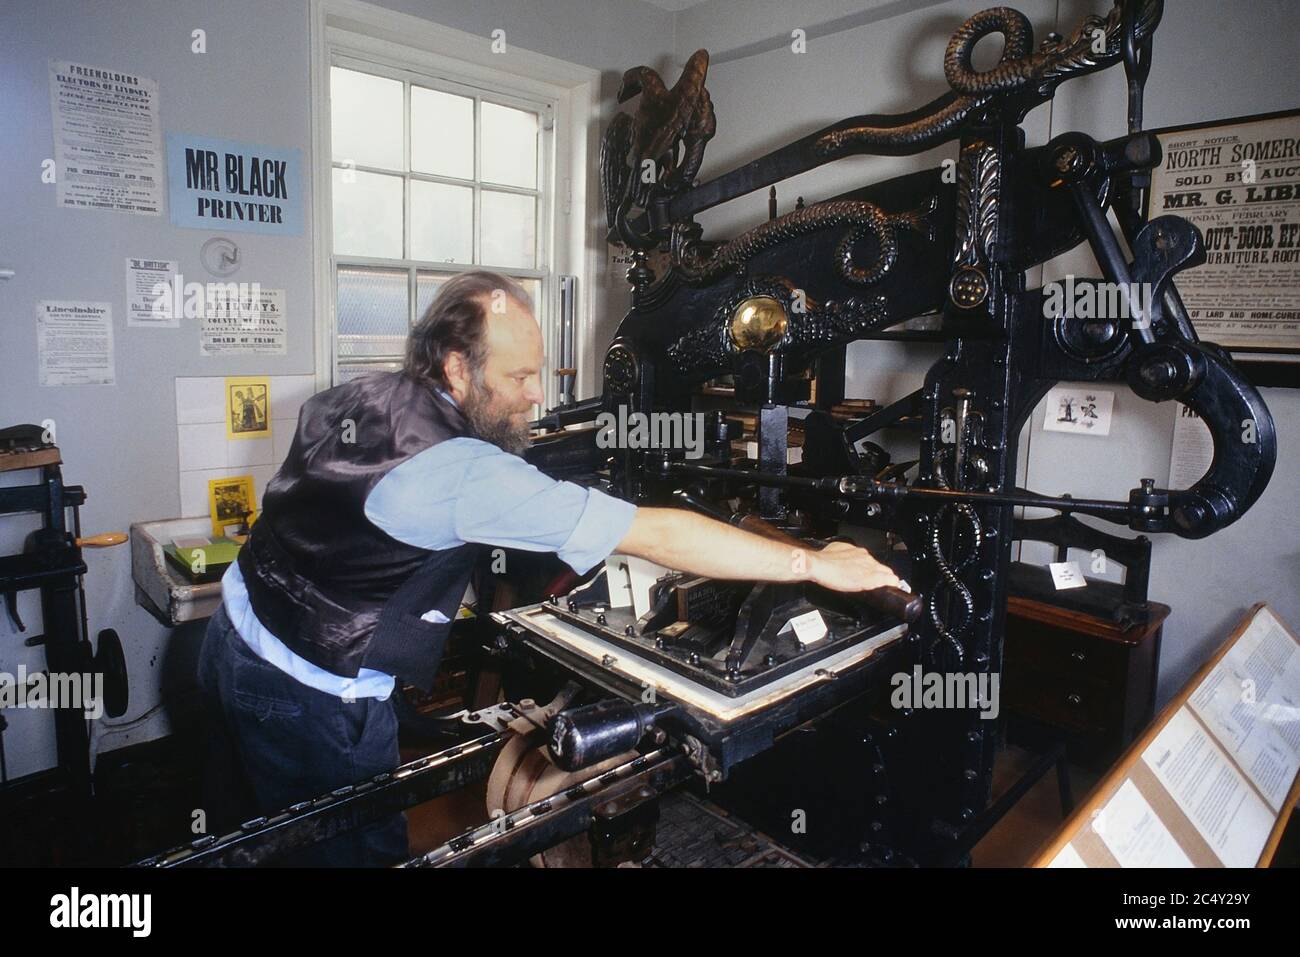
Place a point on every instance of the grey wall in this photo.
(120, 441)
(1211, 60)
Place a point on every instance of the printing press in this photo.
(636, 680)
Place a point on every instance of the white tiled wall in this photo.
(206, 453)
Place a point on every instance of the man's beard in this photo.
(492, 423)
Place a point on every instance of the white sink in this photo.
(158, 588)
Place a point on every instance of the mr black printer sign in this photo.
(223, 185)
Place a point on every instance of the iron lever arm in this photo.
(1146, 505)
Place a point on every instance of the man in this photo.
(367, 538)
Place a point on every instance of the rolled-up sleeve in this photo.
(465, 490)
(604, 523)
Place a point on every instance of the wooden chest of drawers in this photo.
(1078, 673)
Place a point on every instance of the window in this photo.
(429, 177)
(424, 120)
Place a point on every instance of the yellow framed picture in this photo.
(248, 407)
(232, 505)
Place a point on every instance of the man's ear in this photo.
(455, 369)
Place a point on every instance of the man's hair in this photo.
(456, 321)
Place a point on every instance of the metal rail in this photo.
(355, 805)
(514, 837)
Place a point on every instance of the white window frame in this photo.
(363, 34)
(543, 192)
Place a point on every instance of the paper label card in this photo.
(808, 627)
(1078, 409)
(1066, 575)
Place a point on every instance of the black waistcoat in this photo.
(333, 587)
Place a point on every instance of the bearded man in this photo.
(349, 580)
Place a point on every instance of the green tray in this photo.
(217, 555)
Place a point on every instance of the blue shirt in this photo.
(459, 491)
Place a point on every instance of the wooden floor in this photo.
(1014, 841)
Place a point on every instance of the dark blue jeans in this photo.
(273, 741)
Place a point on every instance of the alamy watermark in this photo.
(947, 689)
(1099, 300)
(651, 430)
(197, 300)
(57, 690)
(76, 909)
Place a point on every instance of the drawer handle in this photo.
(1078, 656)
(1074, 699)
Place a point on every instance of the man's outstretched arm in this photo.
(465, 490)
(703, 546)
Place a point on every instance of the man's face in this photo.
(498, 401)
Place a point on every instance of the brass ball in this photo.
(758, 322)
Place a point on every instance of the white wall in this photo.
(1211, 60)
(120, 441)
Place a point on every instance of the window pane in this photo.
(509, 154)
(534, 288)
(442, 222)
(427, 285)
(367, 214)
(509, 229)
(351, 370)
(372, 315)
(442, 133)
(365, 119)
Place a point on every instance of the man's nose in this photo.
(533, 391)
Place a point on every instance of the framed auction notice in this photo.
(1238, 180)
(1213, 781)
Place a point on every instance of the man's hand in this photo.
(843, 567)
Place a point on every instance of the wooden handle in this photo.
(892, 601)
(102, 541)
(559, 372)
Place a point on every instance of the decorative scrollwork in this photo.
(621, 369)
(700, 262)
(969, 535)
(709, 347)
(978, 178)
(1097, 42)
(705, 347)
(910, 133)
(977, 198)
(1018, 68)
(1076, 55)
(838, 321)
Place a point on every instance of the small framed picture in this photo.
(231, 505)
(248, 408)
